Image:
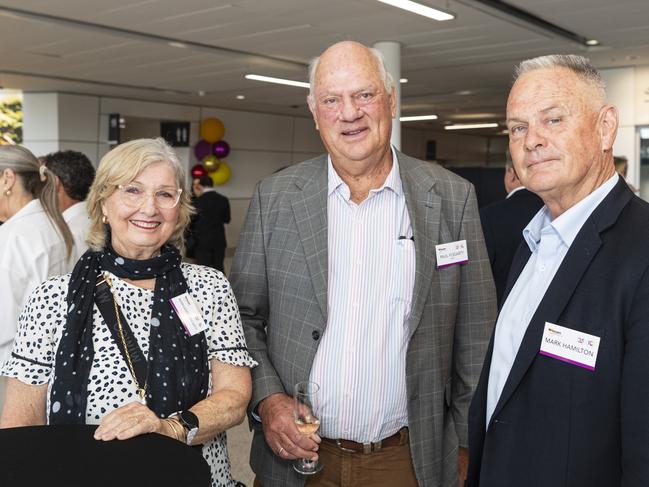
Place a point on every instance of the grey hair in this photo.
(40, 183)
(386, 77)
(579, 65)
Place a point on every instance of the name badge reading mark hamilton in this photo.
(189, 314)
(451, 253)
(570, 346)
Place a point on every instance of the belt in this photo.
(399, 438)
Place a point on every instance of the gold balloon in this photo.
(222, 173)
(212, 130)
(210, 163)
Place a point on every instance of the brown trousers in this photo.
(389, 467)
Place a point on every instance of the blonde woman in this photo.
(35, 241)
(113, 348)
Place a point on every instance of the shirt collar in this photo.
(515, 190)
(74, 210)
(392, 181)
(568, 224)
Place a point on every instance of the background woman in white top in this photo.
(35, 241)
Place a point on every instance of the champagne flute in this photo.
(306, 422)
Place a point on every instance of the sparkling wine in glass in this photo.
(306, 421)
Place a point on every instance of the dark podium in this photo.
(68, 455)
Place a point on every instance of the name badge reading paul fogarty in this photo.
(451, 253)
(189, 314)
(570, 346)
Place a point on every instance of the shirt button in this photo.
(315, 334)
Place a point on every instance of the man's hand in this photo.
(128, 421)
(281, 434)
(462, 465)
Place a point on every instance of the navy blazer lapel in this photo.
(310, 211)
(424, 209)
(574, 265)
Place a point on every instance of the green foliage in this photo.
(11, 120)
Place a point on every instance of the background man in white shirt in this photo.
(337, 282)
(74, 173)
(564, 394)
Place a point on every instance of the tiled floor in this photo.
(239, 439)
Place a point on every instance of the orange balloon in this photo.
(212, 130)
(222, 174)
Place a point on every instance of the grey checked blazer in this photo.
(279, 277)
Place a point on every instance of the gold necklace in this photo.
(141, 390)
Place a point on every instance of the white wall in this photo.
(455, 148)
(260, 143)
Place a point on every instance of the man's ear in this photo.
(393, 102)
(608, 121)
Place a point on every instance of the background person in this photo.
(503, 223)
(621, 166)
(35, 241)
(74, 175)
(335, 276)
(207, 229)
(191, 388)
(564, 393)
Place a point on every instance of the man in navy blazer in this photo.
(503, 223)
(563, 399)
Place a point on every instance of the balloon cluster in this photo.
(211, 150)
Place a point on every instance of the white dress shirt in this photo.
(78, 220)
(31, 250)
(549, 241)
(361, 360)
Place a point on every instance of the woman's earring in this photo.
(8, 192)
(104, 219)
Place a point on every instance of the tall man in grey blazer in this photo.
(365, 271)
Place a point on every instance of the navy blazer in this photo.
(502, 224)
(559, 425)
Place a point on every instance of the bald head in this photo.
(348, 51)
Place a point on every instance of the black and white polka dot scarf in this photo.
(178, 371)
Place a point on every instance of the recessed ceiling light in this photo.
(181, 45)
(463, 126)
(464, 92)
(279, 81)
(403, 80)
(241, 97)
(201, 93)
(417, 118)
(419, 9)
(592, 42)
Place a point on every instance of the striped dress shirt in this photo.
(361, 360)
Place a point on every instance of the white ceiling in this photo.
(131, 56)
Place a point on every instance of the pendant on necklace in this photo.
(142, 394)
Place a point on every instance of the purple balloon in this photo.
(202, 149)
(221, 149)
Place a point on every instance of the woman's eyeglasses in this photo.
(135, 195)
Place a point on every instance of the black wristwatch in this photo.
(190, 422)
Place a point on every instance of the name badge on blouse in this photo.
(571, 346)
(451, 253)
(189, 314)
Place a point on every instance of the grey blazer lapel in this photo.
(310, 211)
(424, 209)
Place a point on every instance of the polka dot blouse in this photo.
(110, 384)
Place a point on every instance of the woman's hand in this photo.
(129, 421)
